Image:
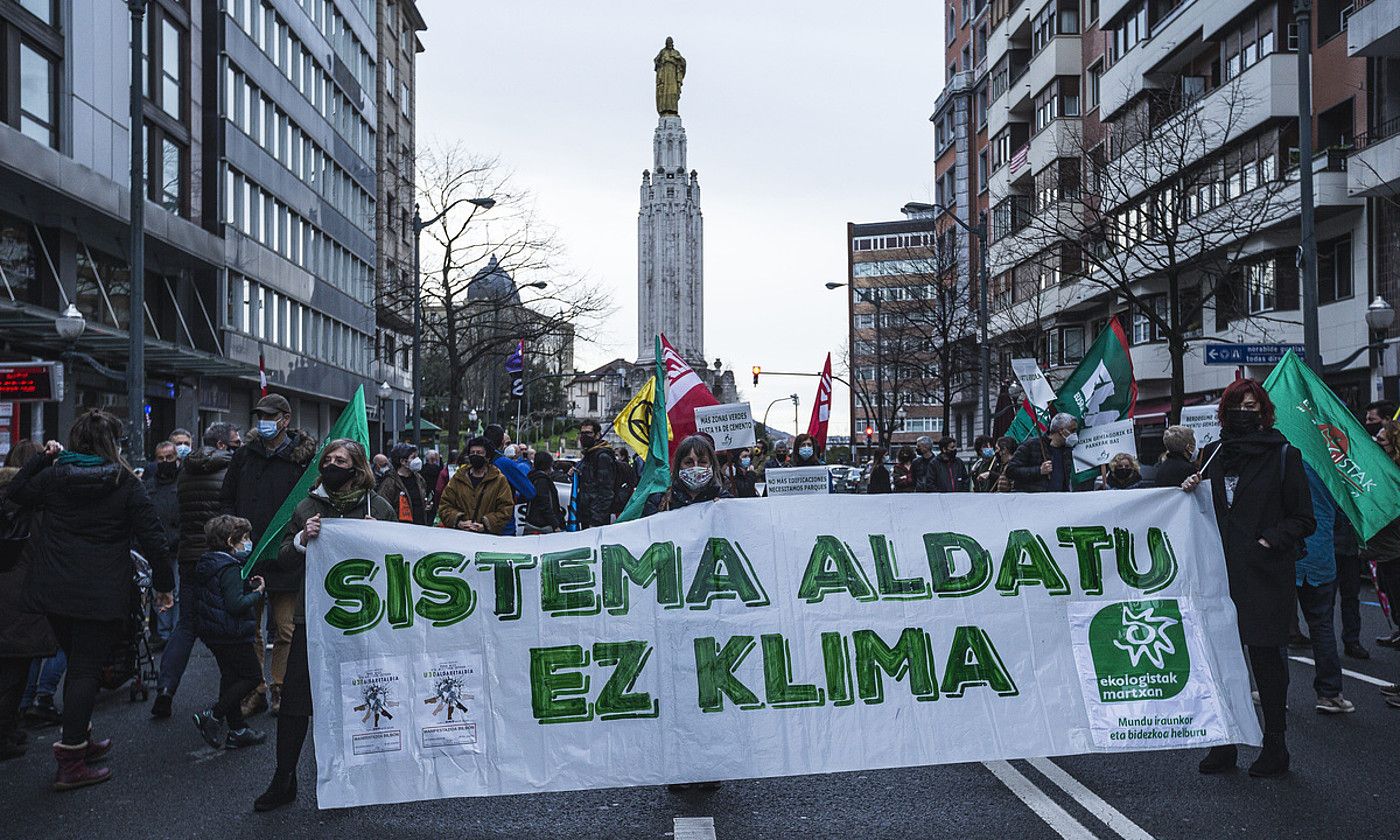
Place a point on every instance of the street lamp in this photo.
(384, 392)
(1380, 315)
(485, 203)
(984, 356)
(71, 323)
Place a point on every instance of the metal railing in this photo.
(1376, 133)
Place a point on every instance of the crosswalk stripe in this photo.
(1092, 802)
(694, 828)
(1038, 801)
(1356, 675)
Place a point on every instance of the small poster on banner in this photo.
(374, 708)
(1204, 420)
(797, 481)
(448, 698)
(1098, 444)
(730, 426)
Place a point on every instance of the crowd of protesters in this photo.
(77, 514)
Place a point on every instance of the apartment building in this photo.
(1143, 152)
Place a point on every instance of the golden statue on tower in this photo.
(670, 75)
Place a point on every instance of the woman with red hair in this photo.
(1264, 509)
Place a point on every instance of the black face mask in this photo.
(167, 469)
(1240, 421)
(1373, 429)
(587, 441)
(334, 477)
(476, 461)
(1123, 473)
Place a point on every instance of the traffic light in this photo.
(756, 371)
(869, 435)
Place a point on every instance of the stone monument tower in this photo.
(670, 235)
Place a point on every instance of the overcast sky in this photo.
(800, 117)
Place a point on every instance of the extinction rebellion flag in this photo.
(1365, 483)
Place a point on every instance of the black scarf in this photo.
(1237, 450)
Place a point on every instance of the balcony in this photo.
(1374, 168)
(1373, 30)
(1061, 138)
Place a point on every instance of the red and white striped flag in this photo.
(821, 409)
(685, 392)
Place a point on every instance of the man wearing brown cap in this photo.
(260, 477)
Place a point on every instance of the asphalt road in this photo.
(167, 783)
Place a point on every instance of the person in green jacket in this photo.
(345, 490)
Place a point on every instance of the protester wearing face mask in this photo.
(596, 478)
(161, 486)
(1264, 509)
(380, 466)
(948, 472)
(1383, 549)
(343, 490)
(1044, 464)
(1123, 473)
(224, 608)
(260, 477)
(183, 442)
(804, 452)
(693, 478)
(478, 498)
(984, 455)
(1377, 413)
(740, 479)
(403, 486)
(1178, 461)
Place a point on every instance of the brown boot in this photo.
(97, 747)
(253, 704)
(73, 770)
(274, 705)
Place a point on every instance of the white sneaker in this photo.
(1335, 705)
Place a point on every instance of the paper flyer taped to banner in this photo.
(767, 637)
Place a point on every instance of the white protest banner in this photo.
(768, 637)
(730, 426)
(1098, 444)
(797, 481)
(1033, 382)
(1204, 420)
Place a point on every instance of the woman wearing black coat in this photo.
(1264, 509)
(1176, 465)
(543, 515)
(93, 507)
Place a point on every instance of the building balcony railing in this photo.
(1376, 133)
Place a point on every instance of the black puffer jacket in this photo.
(680, 496)
(597, 477)
(24, 633)
(223, 606)
(259, 481)
(199, 491)
(82, 555)
(162, 493)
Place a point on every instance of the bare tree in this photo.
(1163, 208)
(480, 281)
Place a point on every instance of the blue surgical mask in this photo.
(988, 452)
(243, 551)
(182, 450)
(267, 429)
(745, 462)
(805, 451)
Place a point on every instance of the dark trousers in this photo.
(1271, 678)
(1349, 571)
(239, 674)
(294, 718)
(1388, 576)
(176, 655)
(14, 673)
(89, 646)
(1316, 602)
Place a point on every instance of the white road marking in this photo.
(694, 828)
(1038, 801)
(1092, 802)
(1356, 675)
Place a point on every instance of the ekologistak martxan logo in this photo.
(1139, 650)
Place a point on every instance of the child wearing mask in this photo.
(225, 621)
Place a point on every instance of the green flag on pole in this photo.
(1026, 425)
(1362, 479)
(656, 474)
(352, 423)
(1101, 389)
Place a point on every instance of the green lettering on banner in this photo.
(661, 562)
(566, 583)
(714, 673)
(446, 598)
(946, 581)
(1089, 543)
(1161, 573)
(557, 685)
(357, 606)
(618, 700)
(836, 655)
(780, 690)
(505, 570)
(833, 567)
(737, 578)
(1027, 560)
(892, 586)
(973, 660)
(399, 604)
(909, 657)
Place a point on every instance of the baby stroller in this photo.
(131, 659)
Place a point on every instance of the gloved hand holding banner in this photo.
(769, 637)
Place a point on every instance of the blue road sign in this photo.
(1248, 354)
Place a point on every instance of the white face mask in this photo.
(416, 464)
(696, 477)
(1071, 439)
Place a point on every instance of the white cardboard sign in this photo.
(1098, 444)
(730, 425)
(1204, 421)
(797, 481)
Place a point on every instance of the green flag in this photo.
(352, 424)
(656, 474)
(1025, 424)
(1101, 389)
(1363, 480)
